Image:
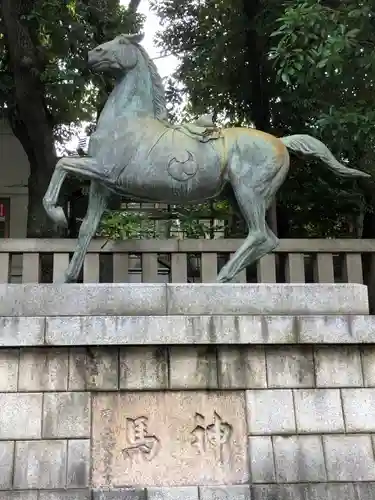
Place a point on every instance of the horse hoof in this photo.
(58, 216)
(55, 213)
(69, 279)
(223, 279)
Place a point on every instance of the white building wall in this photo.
(14, 173)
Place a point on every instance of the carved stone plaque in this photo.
(169, 439)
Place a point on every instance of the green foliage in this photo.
(329, 52)
(63, 32)
(199, 221)
(123, 225)
(210, 35)
(324, 53)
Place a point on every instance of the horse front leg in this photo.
(98, 199)
(51, 197)
(52, 194)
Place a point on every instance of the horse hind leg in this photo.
(233, 201)
(253, 202)
(257, 241)
(98, 199)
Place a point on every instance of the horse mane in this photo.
(158, 98)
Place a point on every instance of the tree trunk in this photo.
(133, 5)
(30, 120)
(258, 100)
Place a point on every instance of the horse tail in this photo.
(309, 146)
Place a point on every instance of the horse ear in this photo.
(136, 38)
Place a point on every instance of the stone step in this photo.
(186, 330)
(180, 299)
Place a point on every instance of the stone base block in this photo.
(196, 423)
(174, 299)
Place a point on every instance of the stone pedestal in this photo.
(167, 392)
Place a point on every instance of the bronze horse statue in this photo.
(137, 154)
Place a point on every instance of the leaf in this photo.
(353, 33)
(285, 78)
(72, 6)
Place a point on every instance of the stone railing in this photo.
(184, 261)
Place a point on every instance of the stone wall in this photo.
(262, 407)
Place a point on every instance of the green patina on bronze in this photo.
(136, 154)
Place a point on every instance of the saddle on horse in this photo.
(203, 129)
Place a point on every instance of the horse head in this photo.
(120, 54)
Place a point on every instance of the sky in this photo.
(165, 65)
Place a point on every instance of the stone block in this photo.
(280, 492)
(168, 439)
(40, 464)
(66, 415)
(240, 492)
(144, 368)
(364, 491)
(65, 495)
(186, 493)
(151, 330)
(6, 464)
(317, 491)
(232, 329)
(277, 491)
(318, 410)
(193, 367)
(264, 298)
(274, 330)
(203, 330)
(290, 366)
(262, 465)
(120, 494)
(368, 363)
(362, 328)
(359, 409)
(299, 459)
(74, 299)
(19, 495)
(338, 366)
(331, 491)
(349, 458)
(331, 329)
(78, 472)
(95, 368)
(21, 331)
(43, 369)
(9, 369)
(241, 367)
(20, 416)
(270, 411)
